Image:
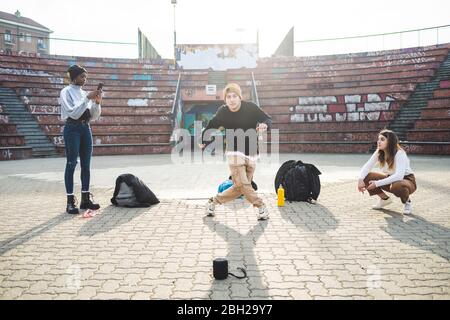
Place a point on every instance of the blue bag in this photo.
(225, 185)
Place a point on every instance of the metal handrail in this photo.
(175, 110)
(254, 90)
(175, 100)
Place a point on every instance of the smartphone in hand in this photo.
(100, 86)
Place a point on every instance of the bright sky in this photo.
(231, 21)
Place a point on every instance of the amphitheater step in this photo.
(218, 78)
(35, 139)
(43, 145)
(30, 127)
(418, 147)
(407, 116)
(15, 153)
(16, 107)
(45, 153)
(115, 149)
(38, 142)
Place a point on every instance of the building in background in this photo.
(21, 34)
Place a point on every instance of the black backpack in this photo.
(130, 191)
(300, 181)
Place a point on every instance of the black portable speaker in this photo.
(220, 269)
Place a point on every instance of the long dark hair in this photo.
(388, 155)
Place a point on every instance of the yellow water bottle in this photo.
(280, 193)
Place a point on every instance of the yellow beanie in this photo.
(232, 87)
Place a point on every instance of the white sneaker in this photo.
(382, 203)
(210, 208)
(263, 213)
(408, 207)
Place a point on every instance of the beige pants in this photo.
(242, 170)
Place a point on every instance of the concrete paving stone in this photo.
(40, 296)
(348, 292)
(317, 289)
(110, 286)
(183, 295)
(439, 296)
(12, 293)
(301, 279)
(113, 296)
(300, 294)
(162, 292)
(379, 294)
(86, 293)
(330, 282)
(18, 284)
(141, 296)
(423, 290)
(413, 297)
(220, 295)
(285, 285)
(279, 292)
(184, 284)
(37, 287)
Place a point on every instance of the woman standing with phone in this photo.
(78, 108)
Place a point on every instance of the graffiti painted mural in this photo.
(4, 119)
(58, 140)
(366, 107)
(44, 109)
(6, 154)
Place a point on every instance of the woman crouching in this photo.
(397, 177)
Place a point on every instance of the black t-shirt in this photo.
(247, 117)
(86, 115)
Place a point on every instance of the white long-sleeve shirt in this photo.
(74, 102)
(400, 168)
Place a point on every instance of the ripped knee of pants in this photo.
(71, 164)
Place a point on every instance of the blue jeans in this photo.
(78, 141)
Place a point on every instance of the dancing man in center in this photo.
(240, 118)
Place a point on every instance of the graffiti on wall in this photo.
(366, 107)
(44, 109)
(26, 100)
(4, 119)
(51, 78)
(137, 102)
(58, 140)
(23, 72)
(7, 154)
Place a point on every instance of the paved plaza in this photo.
(338, 248)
